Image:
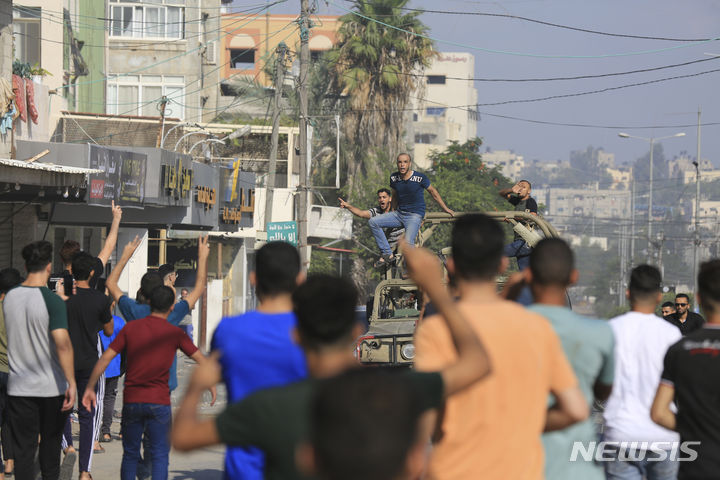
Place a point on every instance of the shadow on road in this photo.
(204, 474)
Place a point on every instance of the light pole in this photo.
(651, 140)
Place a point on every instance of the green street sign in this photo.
(282, 231)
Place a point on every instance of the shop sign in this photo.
(206, 196)
(122, 179)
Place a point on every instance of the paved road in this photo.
(206, 464)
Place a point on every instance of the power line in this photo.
(602, 90)
(556, 25)
(546, 79)
(522, 54)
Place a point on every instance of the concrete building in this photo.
(621, 177)
(510, 163)
(682, 166)
(435, 122)
(38, 38)
(163, 49)
(6, 60)
(566, 203)
(249, 41)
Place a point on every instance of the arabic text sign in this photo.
(122, 179)
(282, 231)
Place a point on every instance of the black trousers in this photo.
(30, 417)
(5, 437)
(109, 404)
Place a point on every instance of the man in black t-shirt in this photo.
(683, 318)
(519, 197)
(70, 248)
(277, 420)
(88, 313)
(691, 370)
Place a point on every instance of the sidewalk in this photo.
(205, 464)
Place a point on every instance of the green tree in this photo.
(465, 183)
(375, 65)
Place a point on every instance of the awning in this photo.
(43, 174)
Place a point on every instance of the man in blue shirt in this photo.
(408, 198)
(257, 348)
(588, 344)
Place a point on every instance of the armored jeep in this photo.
(397, 302)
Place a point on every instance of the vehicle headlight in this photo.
(407, 351)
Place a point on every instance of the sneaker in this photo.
(385, 261)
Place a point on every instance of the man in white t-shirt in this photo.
(641, 340)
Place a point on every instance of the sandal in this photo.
(107, 438)
(98, 450)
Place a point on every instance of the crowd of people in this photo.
(498, 390)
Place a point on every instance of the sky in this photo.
(667, 103)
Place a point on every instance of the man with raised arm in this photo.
(277, 420)
(150, 345)
(384, 197)
(71, 248)
(408, 207)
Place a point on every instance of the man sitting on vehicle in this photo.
(384, 205)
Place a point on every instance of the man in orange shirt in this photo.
(491, 430)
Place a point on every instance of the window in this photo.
(315, 55)
(436, 79)
(149, 19)
(242, 59)
(26, 30)
(138, 94)
(425, 138)
(435, 111)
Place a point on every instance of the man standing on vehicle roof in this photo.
(408, 207)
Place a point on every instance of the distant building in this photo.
(510, 163)
(605, 159)
(621, 177)
(566, 203)
(448, 111)
(682, 167)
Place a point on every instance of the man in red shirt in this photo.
(149, 345)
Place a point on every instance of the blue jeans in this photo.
(396, 218)
(625, 468)
(521, 251)
(155, 420)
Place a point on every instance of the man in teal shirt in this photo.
(589, 346)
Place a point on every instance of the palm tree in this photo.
(377, 67)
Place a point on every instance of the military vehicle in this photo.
(397, 302)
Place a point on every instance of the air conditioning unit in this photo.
(210, 55)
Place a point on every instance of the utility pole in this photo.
(650, 201)
(302, 203)
(281, 51)
(696, 239)
(161, 132)
(632, 222)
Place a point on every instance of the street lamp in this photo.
(651, 140)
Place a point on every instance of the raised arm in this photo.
(64, 349)
(112, 280)
(112, 237)
(354, 210)
(190, 432)
(201, 277)
(473, 362)
(436, 196)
